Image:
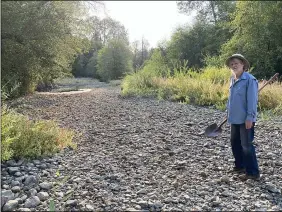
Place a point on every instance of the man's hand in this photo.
(248, 124)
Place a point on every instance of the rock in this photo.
(137, 207)
(6, 187)
(36, 162)
(18, 174)
(16, 189)
(20, 201)
(45, 185)
(15, 183)
(131, 209)
(30, 180)
(226, 194)
(158, 205)
(60, 194)
(84, 193)
(23, 198)
(205, 207)
(32, 202)
(276, 208)
(20, 179)
(272, 188)
(203, 174)
(43, 166)
(11, 163)
(77, 180)
(32, 192)
(13, 170)
(24, 209)
(225, 179)
(43, 196)
(30, 165)
(10, 205)
(143, 204)
(142, 191)
(45, 173)
(216, 201)
(71, 203)
(6, 195)
(89, 207)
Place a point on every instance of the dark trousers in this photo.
(243, 149)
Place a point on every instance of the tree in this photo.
(212, 11)
(140, 53)
(114, 60)
(194, 43)
(106, 29)
(91, 67)
(258, 36)
(39, 41)
(100, 32)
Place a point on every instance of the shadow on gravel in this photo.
(270, 191)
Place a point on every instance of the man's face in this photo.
(236, 66)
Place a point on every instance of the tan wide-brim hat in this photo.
(241, 57)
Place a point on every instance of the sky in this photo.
(155, 20)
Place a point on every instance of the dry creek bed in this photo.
(139, 154)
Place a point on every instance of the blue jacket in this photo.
(243, 99)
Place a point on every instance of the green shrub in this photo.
(216, 75)
(22, 137)
(140, 83)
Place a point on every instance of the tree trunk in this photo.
(213, 11)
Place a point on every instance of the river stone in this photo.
(10, 205)
(32, 202)
(43, 196)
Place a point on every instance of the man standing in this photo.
(242, 113)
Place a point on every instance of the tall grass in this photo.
(208, 87)
(22, 137)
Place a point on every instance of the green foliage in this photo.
(114, 60)
(91, 67)
(216, 75)
(139, 83)
(22, 137)
(52, 205)
(208, 87)
(102, 31)
(39, 41)
(194, 43)
(157, 65)
(212, 11)
(257, 35)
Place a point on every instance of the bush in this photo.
(140, 83)
(22, 137)
(216, 75)
(270, 98)
(209, 87)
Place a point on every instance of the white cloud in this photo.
(155, 20)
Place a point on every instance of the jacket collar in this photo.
(242, 77)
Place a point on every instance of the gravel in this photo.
(139, 154)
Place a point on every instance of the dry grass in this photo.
(211, 87)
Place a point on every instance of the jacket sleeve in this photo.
(252, 99)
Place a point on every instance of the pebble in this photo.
(32, 202)
(45, 185)
(43, 196)
(10, 205)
